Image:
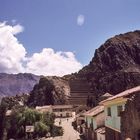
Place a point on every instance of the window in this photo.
(119, 109)
(108, 111)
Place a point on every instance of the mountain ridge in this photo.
(114, 68)
(12, 84)
(118, 59)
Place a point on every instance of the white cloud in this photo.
(13, 57)
(49, 62)
(12, 53)
(80, 20)
(17, 29)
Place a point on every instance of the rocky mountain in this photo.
(12, 84)
(116, 65)
(114, 68)
(50, 90)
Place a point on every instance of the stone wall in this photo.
(131, 119)
(79, 91)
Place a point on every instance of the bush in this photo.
(41, 129)
(57, 131)
(24, 116)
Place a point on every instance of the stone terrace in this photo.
(79, 91)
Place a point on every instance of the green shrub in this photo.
(24, 116)
(41, 129)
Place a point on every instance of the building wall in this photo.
(112, 134)
(97, 121)
(94, 123)
(89, 133)
(113, 121)
(63, 114)
(100, 120)
(88, 121)
(100, 136)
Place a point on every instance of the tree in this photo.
(23, 116)
(20, 118)
(41, 129)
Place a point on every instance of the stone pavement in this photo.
(69, 132)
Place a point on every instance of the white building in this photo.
(58, 110)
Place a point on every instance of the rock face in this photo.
(132, 115)
(50, 91)
(116, 65)
(12, 84)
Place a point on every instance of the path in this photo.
(69, 132)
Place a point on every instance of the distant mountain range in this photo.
(12, 84)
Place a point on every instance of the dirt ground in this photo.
(69, 132)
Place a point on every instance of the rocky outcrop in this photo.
(12, 84)
(50, 91)
(131, 119)
(116, 65)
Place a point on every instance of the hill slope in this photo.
(116, 64)
(49, 90)
(12, 84)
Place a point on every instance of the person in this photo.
(67, 119)
(60, 122)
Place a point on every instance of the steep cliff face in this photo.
(12, 84)
(49, 91)
(116, 64)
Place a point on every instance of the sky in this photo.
(58, 37)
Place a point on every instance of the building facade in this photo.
(114, 107)
(94, 119)
(58, 110)
(63, 110)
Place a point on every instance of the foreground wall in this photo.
(131, 119)
(112, 134)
